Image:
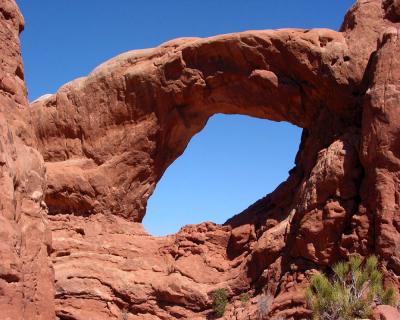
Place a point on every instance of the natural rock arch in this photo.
(131, 117)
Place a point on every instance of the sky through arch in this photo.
(234, 161)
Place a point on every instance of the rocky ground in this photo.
(77, 168)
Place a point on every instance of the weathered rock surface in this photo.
(386, 313)
(380, 149)
(106, 140)
(26, 276)
(98, 278)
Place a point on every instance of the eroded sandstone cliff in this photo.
(26, 275)
(106, 140)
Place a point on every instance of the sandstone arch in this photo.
(132, 116)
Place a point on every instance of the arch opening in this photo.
(233, 162)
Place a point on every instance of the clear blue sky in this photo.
(235, 160)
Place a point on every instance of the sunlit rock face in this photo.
(117, 130)
(106, 140)
(26, 275)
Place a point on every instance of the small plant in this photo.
(264, 304)
(170, 269)
(125, 314)
(220, 300)
(355, 288)
(244, 298)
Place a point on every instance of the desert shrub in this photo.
(351, 293)
(264, 303)
(125, 314)
(220, 300)
(245, 297)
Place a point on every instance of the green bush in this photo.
(245, 297)
(353, 291)
(220, 300)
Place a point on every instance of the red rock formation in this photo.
(380, 149)
(386, 313)
(121, 139)
(26, 276)
(107, 139)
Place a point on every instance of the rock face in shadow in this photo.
(107, 139)
(379, 151)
